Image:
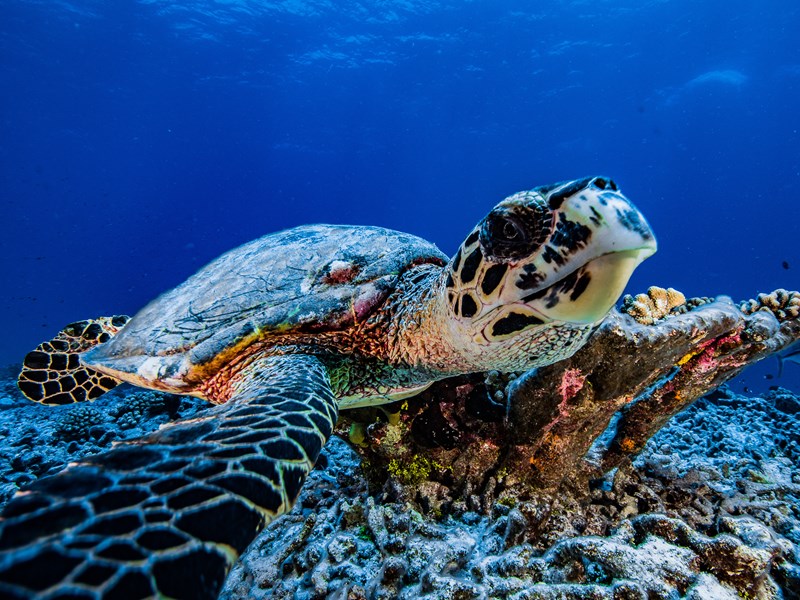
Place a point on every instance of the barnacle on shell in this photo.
(653, 306)
(784, 304)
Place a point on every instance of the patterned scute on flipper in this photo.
(53, 373)
(168, 514)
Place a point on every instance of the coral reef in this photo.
(693, 516)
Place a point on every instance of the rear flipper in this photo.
(168, 514)
(53, 373)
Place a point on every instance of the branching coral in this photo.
(782, 303)
(653, 306)
(77, 422)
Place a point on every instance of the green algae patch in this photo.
(412, 471)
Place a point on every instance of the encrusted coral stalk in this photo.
(643, 365)
(649, 372)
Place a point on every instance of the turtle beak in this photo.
(586, 280)
(604, 280)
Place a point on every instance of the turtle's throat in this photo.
(420, 335)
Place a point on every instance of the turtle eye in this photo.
(510, 235)
(510, 231)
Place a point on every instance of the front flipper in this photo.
(54, 374)
(168, 514)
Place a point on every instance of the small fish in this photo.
(793, 357)
(785, 264)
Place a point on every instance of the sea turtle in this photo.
(281, 333)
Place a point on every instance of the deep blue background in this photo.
(140, 139)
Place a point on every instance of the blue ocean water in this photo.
(139, 139)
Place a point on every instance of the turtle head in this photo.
(553, 257)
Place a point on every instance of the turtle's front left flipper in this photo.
(168, 514)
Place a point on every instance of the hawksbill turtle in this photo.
(281, 333)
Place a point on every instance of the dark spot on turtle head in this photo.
(471, 238)
(471, 264)
(603, 183)
(59, 345)
(530, 278)
(75, 329)
(58, 361)
(36, 375)
(514, 322)
(580, 286)
(92, 332)
(632, 219)
(468, 306)
(37, 360)
(450, 283)
(31, 390)
(565, 286)
(551, 256)
(570, 234)
(457, 260)
(492, 278)
(560, 194)
(120, 320)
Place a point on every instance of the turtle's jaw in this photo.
(588, 293)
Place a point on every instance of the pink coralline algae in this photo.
(571, 383)
(709, 359)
